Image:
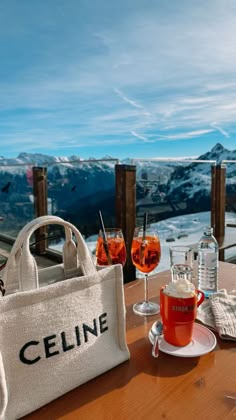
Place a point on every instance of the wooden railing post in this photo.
(40, 205)
(218, 197)
(126, 211)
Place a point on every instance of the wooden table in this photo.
(145, 388)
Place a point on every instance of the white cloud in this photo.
(220, 129)
(129, 101)
(140, 137)
(187, 135)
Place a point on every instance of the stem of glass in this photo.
(146, 287)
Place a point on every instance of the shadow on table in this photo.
(140, 362)
(163, 366)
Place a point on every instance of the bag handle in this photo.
(69, 251)
(10, 271)
(25, 263)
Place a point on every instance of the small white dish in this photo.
(203, 342)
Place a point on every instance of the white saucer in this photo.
(203, 342)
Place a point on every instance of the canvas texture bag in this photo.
(59, 326)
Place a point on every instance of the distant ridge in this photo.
(218, 153)
(41, 159)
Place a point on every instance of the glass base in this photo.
(146, 308)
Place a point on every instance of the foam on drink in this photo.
(181, 289)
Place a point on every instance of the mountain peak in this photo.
(218, 148)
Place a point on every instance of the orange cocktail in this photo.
(146, 253)
(113, 251)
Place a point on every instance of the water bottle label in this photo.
(210, 259)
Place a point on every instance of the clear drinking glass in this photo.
(181, 272)
(146, 254)
(112, 250)
(181, 262)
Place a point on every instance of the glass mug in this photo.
(115, 247)
(178, 316)
(181, 259)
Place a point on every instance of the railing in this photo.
(51, 193)
(176, 193)
(230, 209)
(173, 187)
(51, 190)
(16, 198)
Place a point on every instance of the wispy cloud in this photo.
(187, 135)
(126, 99)
(138, 136)
(220, 129)
(132, 102)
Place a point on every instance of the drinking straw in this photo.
(145, 218)
(105, 243)
(142, 248)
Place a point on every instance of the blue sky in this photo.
(127, 78)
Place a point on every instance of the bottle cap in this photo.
(208, 230)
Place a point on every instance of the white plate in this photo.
(203, 342)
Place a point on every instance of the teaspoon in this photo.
(157, 331)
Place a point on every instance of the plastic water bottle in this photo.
(208, 262)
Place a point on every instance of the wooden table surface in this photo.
(145, 388)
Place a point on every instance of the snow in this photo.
(190, 226)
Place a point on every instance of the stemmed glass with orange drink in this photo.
(146, 254)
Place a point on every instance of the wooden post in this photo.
(40, 206)
(126, 211)
(213, 195)
(218, 199)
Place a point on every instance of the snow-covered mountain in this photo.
(187, 186)
(41, 159)
(34, 159)
(219, 153)
(77, 188)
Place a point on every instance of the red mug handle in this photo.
(200, 297)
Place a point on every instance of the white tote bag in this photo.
(58, 336)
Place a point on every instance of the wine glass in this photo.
(110, 247)
(146, 254)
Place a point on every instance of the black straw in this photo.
(145, 219)
(142, 247)
(105, 243)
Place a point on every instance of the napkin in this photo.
(219, 313)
